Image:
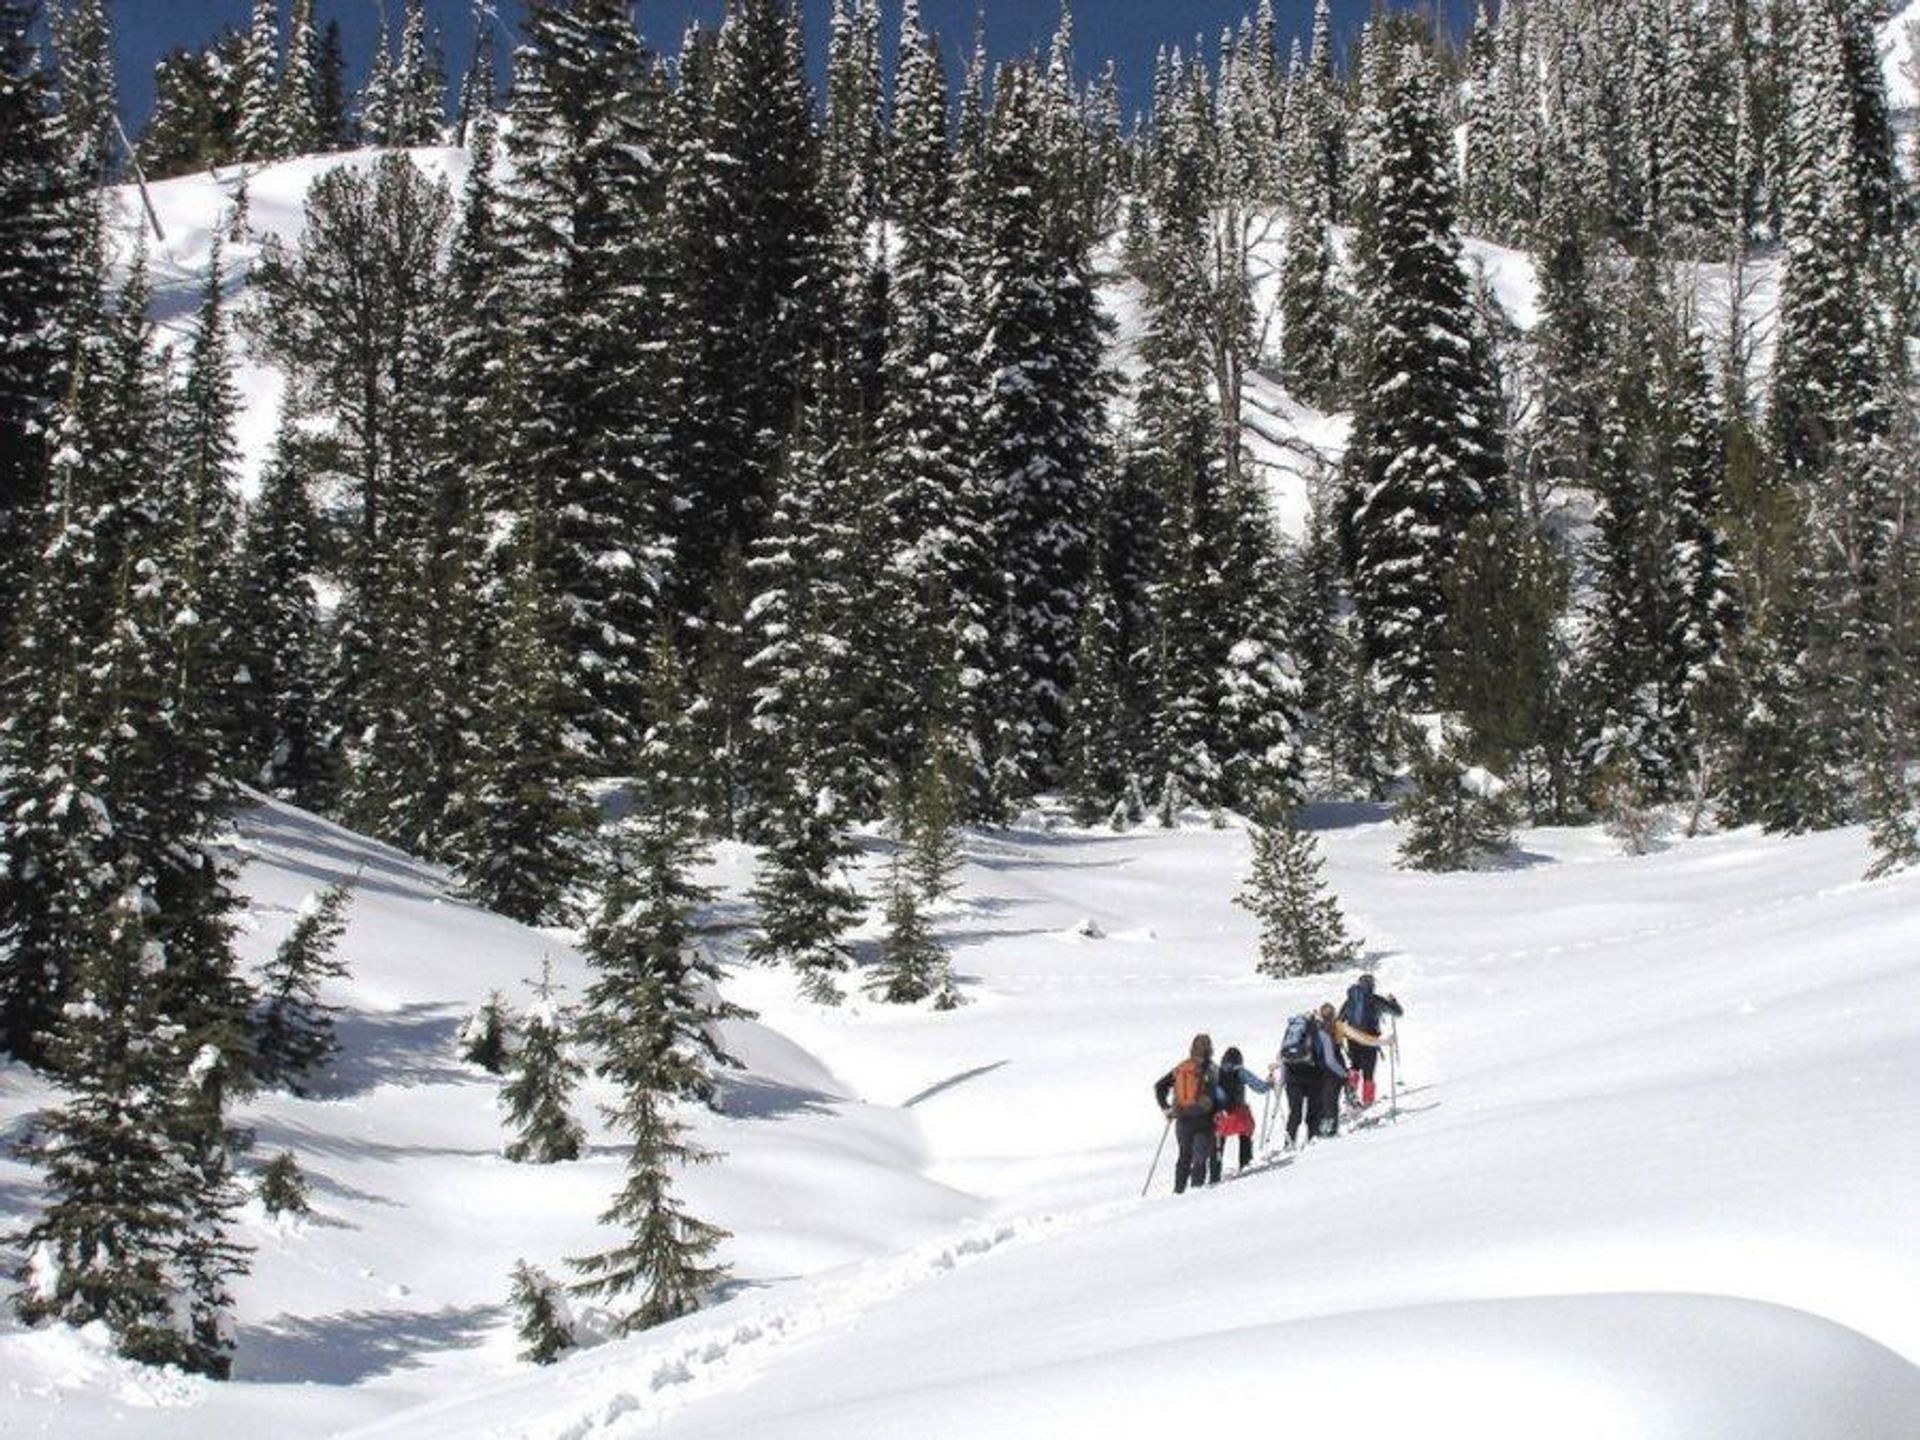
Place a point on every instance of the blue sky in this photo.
(1128, 31)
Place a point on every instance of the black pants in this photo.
(1220, 1155)
(1194, 1154)
(1303, 1091)
(1362, 1058)
(1324, 1118)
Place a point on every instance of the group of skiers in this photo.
(1322, 1053)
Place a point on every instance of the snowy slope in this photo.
(1654, 1169)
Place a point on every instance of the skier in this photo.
(1188, 1094)
(1235, 1116)
(1323, 1117)
(1302, 1074)
(1361, 1018)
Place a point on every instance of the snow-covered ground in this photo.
(1653, 1172)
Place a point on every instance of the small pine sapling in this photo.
(913, 963)
(1172, 801)
(486, 1037)
(283, 1189)
(1458, 816)
(1302, 931)
(1131, 808)
(539, 1093)
(293, 1030)
(545, 1325)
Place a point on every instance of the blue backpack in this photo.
(1362, 1010)
(1296, 1047)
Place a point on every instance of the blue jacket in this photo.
(1253, 1081)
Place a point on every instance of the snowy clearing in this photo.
(1653, 1168)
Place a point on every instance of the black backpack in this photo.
(1296, 1048)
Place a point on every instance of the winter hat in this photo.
(1232, 1057)
(1202, 1047)
(1366, 982)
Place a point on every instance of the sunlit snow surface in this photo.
(1653, 1171)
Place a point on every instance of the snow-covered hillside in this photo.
(1653, 1171)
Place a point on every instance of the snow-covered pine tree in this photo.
(1302, 930)
(479, 86)
(293, 1033)
(417, 93)
(581, 225)
(140, 947)
(1457, 814)
(1426, 456)
(355, 315)
(282, 1188)
(1040, 430)
(280, 744)
(37, 236)
(1310, 301)
(258, 137)
(1663, 611)
(654, 1008)
(805, 900)
(337, 130)
(913, 964)
(195, 108)
(373, 107)
(746, 336)
(538, 1094)
(518, 824)
(132, 1234)
(653, 1012)
(203, 469)
(544, 1325)
(298, 125)
(486, 1036)
(1178, 448)
(935, 579)
(1260, 687)
(89, 94)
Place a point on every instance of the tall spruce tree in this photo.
(37, 238)
(752, 284)
(259, 135)
(580, 223)
(280, 742)
(652, 1011)
(1426, 456)
(1040, 437)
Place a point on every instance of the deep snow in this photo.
(1652, 1173)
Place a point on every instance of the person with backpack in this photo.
(1301, 1074)
(1188, 1095)
(1235, 1116)
(1361, 1018)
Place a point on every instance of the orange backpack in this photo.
(1192, 1095)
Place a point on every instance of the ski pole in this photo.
(1266, 1120)
(1393, 1069)
(1159, 1150)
